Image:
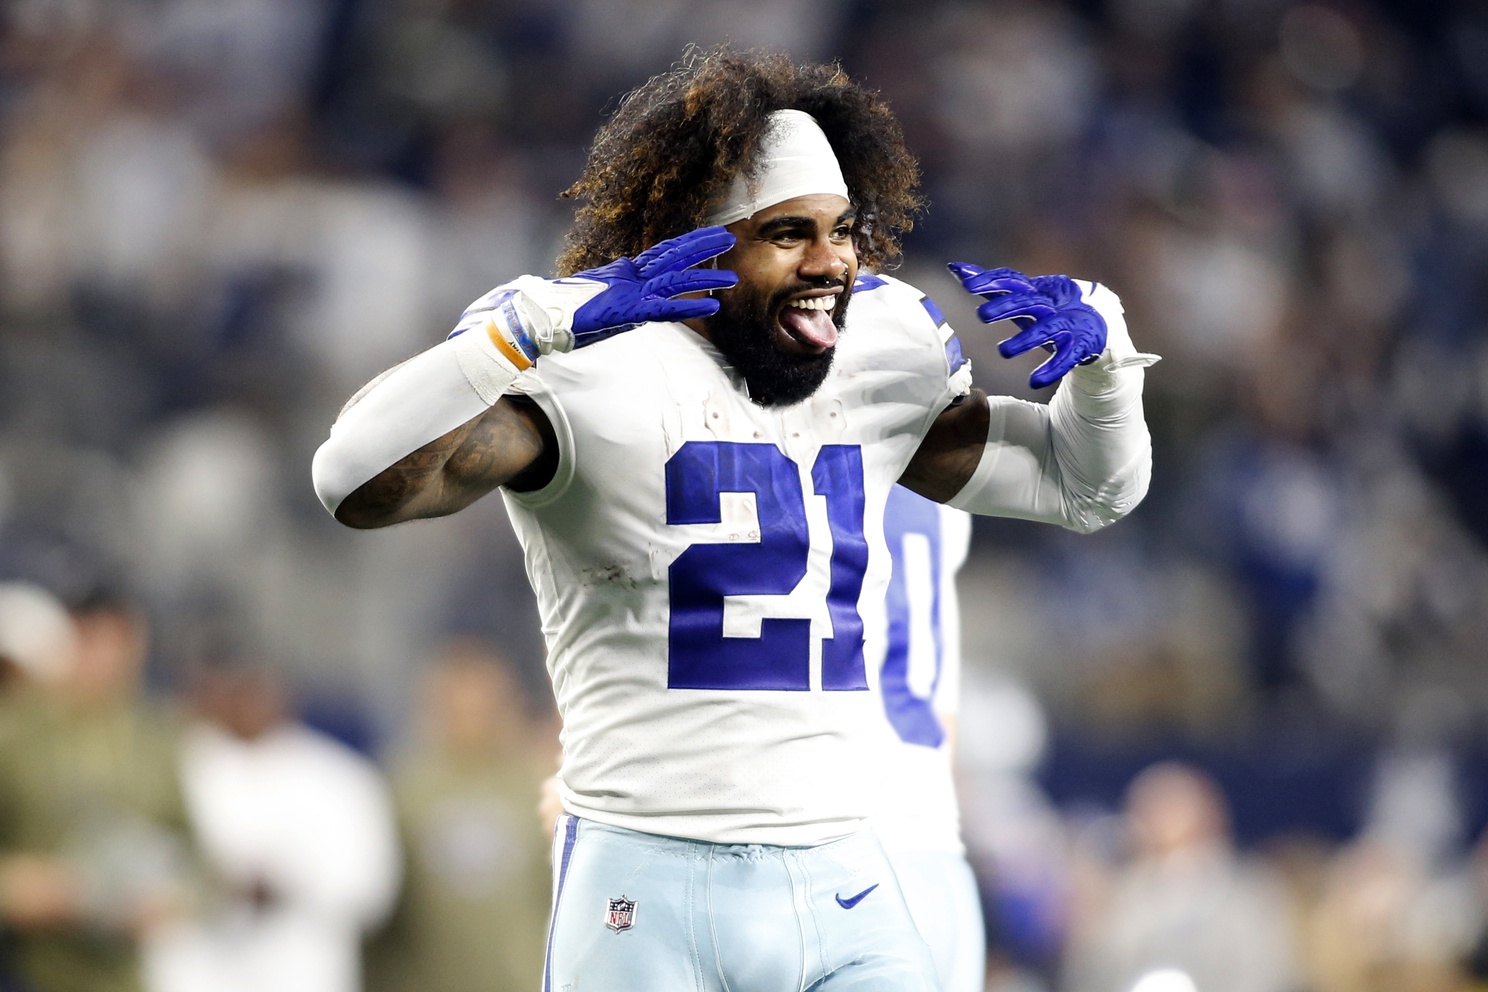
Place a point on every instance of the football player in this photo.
(918, 818)
(695, 429)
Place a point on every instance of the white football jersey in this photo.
(708, 572)
(920, 674)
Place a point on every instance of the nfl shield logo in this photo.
(620, 914)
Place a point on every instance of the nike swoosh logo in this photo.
(852, 901)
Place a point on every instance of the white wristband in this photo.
(1120, 352)
(543, 308)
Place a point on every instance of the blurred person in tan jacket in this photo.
(94, 851)
(474, 909)
(1184, 900)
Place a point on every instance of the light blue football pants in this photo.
(941, 892)
(636, 912)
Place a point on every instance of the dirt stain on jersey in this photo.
(602, 575)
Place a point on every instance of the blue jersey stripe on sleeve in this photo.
(932, 310)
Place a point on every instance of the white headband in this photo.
(795, 159)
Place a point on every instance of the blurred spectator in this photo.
(1016, 839)
(296, 830)
(37, 644)
(1473, 955)
(1383, 923)
(93, 848)
(473, 916)
(37, 638)
(1396, 908)
(1183, 899)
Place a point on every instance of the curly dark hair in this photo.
(673, 146)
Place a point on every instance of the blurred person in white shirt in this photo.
(297, 828)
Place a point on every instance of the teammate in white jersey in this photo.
(918, 818)
(695, 442)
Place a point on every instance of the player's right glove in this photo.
(530, 316)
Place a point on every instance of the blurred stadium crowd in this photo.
(1238, 737)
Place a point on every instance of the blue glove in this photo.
(641, 289)
(539, 316)
(1050, 312)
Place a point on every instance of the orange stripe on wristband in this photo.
(509, 351)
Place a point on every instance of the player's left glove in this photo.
(539, 316)
(1051, 312)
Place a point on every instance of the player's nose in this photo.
(823, 259)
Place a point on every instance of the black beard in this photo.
(743, 331)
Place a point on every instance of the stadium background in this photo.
(219, 217)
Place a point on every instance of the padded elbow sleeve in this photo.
(1082, 462)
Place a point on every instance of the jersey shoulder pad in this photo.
(899, 297)
(907, 304)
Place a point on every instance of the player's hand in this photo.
(541, 316)
(630, 291)
(1051, 312)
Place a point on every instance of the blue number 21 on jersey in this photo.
(699, 656)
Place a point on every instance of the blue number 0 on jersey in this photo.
(906, 517)
(699, 656)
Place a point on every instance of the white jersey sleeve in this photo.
(711, 574)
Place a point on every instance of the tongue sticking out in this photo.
(815, 327)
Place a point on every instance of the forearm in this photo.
(421, 438)
(410, 488)
(1102, 448)
(504, 445)
(1082, 462)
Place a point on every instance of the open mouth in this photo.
(808, 321)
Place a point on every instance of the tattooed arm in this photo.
(510, 444)
(429, 437)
